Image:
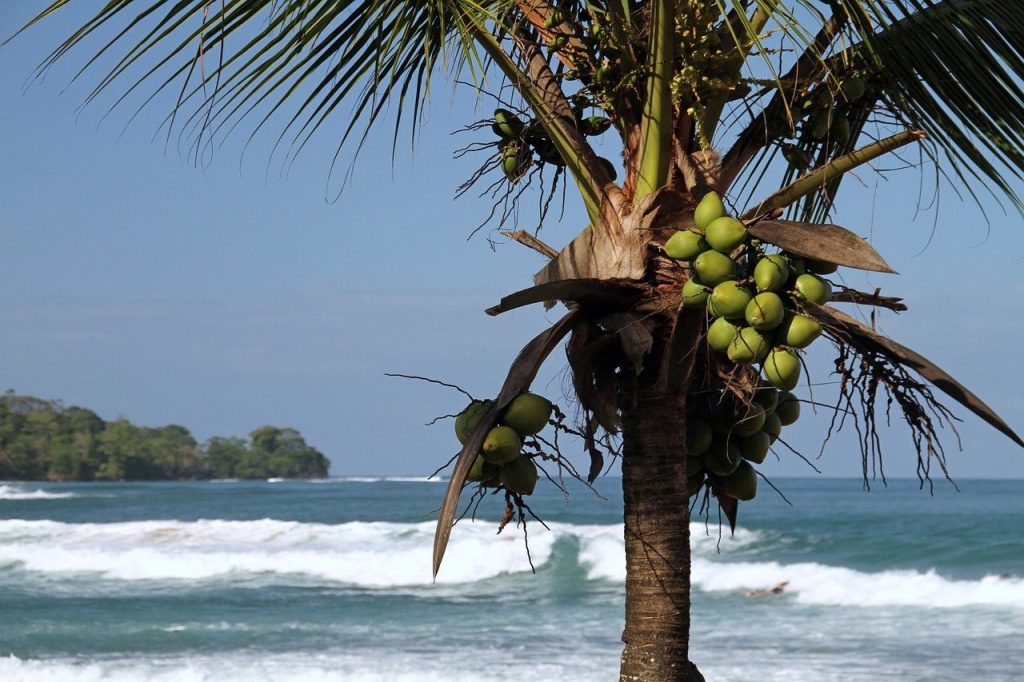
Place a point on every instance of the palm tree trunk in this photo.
(657, 534)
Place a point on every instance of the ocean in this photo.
(330, 580)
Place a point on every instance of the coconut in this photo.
(714, 268)
(854, 88)
(813, 288)
(771, 273)
(725, 234)
(765, 311)
(721, 333)
(685, 245)
(609, 167)
(722, 457)
(708, 210)
(483, 471)
(555, 17)
(819, 124)
(799, 331)
(788, 409)
(467, 420)
(595, 125)
(748, 346)
(729, 300)
(520, 476)
(501, 446)
(507, 124)
(840, 130)
(750, 422)
(527, 414)
(741, 483)
(695, 294)
(797, 266)
(782, 368)
(755, 447)
(698, 436)
(820, 267)
(767, 396)
(772, 427)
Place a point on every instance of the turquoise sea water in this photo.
(331, 581)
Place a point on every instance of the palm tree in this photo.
(767, 104)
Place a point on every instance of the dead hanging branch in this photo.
(845, 327)
(870, 367)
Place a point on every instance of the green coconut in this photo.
(520, 476)
(750, 422)
(556, 17)
(748, 346)
(725, 234)
(483, 471)
(819, 124)
(812, 288)
(729, 300)
(515, 160)
(741, 483)
(708, 210)
(723, 457)
(798, 331)
(788, 410)
(685, 245)
(695, 294)
(782, 368)
(755, 446)
(501, 446)
(771, 273)
(507, 124)
(721, 333)
(854, 88)
(527, 414)
(713, 267)
(698, 436)
(772, 427)
(765, 311)
(595, 125)
(467, 420)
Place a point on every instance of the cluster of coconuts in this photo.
(519, 140)
(723, 444)
(501, 460)
(754, 300)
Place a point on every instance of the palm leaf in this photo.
(309, 56)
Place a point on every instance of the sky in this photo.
(227, 295)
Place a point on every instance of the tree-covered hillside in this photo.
(44, 440)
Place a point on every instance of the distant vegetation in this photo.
(44, 440)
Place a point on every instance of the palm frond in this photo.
(953, 68)
(303, 59)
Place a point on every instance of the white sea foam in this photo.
(9, 492)
(381, 555)
(290, 668)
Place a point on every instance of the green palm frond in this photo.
(954, 68)
(306, 58)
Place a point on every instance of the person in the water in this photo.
(778, 589)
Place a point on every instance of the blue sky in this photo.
(229, 296)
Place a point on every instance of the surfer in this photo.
(778, 589)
